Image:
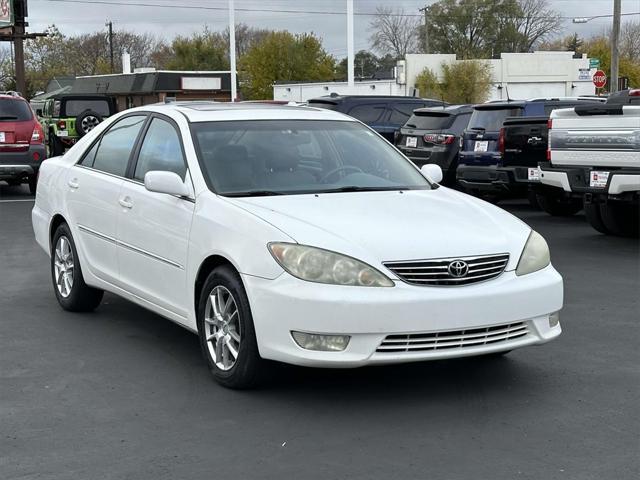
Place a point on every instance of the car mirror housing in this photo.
(165, 182)
(432, 171)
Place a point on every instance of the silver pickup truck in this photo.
(594, 153)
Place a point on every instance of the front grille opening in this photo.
(452, 339)
(436, 272)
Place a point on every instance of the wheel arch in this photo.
(56, 221)
(207, 265)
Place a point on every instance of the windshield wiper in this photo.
(478, 128)
(411, 125)
(8, 117)
(355, 188)
(253, 193)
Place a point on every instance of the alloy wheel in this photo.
(222, 328)
(63, 266)
(89, 123)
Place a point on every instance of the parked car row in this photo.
(502, 149)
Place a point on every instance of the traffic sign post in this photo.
(599, 79)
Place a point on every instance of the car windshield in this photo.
(274, 157)
(12, 110)
(76, 107)
(491, 119)
(425, 121)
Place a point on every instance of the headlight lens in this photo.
(535, 255)
(322, 266)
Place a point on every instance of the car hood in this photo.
(390, 225)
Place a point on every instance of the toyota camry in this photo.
(288, 233)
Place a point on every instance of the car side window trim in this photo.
(133, 161)
(133, 150)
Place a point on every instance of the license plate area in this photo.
(481, 146)
(2, 137)
(63, 133)
(411, 142)
(598, 179)
(533, 174)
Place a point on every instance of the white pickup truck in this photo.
(594, 153)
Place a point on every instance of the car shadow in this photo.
(439, 379)
(19, 192)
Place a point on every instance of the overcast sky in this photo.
(78, 16)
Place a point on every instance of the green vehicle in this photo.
(66, 118)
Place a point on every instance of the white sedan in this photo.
(291, 234)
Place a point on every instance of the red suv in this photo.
(22, 147)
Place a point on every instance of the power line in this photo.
(290, 11)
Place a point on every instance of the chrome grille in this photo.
(436, 272)
(473, 337)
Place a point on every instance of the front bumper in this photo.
(15, 165)
(494, 178)
(623, 182)
(368, 315)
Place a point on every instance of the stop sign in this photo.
(599, 79)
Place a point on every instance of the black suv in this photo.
(385, 114)
(630, 96)
(432, 135)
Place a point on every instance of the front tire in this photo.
(226, 331)
(558, 206)
(66, 273)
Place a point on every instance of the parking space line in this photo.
(18, 200)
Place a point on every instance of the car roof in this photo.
(335, 99)
(499, 105)
(204, 111)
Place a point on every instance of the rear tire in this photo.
(56, 148)
(66, 274)
(226, 331)
(592, 212)
(33, 184)
(558, 206)
(621, 219)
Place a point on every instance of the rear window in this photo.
(12, 110)
(429, 122)
(491, 119)
(76, 107)
(325, 105)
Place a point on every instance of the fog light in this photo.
(554, 319)
(324, 343)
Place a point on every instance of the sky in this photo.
(168, 18)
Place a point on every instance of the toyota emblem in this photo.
(458, 268)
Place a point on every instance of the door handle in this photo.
(73, 183)
(126, 202)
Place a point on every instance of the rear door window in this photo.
(491, 119)
(13, 110)
(116, 145)
(76, 107)
(369, 113)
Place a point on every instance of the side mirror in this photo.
(432, 171)
(39, 112)
(165, 182)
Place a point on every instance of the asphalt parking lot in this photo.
(124, 394)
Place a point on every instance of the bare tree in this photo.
(394, 32)
(630, 40)
(535, 23)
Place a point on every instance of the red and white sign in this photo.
(599, 79)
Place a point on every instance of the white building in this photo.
(522, 75)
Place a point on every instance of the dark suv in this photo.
(385, 114)
(21, 141)
(432, 135)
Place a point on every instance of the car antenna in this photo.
(506, 89)
(442, 99)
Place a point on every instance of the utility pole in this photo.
(18, 52)
(426, 28)
(109, 24)
(232, 49)
(350, 48)
(615, 40)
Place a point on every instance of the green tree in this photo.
(486, 28)
(574, 43)
(283, 56)
(365, 65)
(462, 82)
(600, 47)
(201, 51)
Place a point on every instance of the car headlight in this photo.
(322, 266)
(535, 255)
